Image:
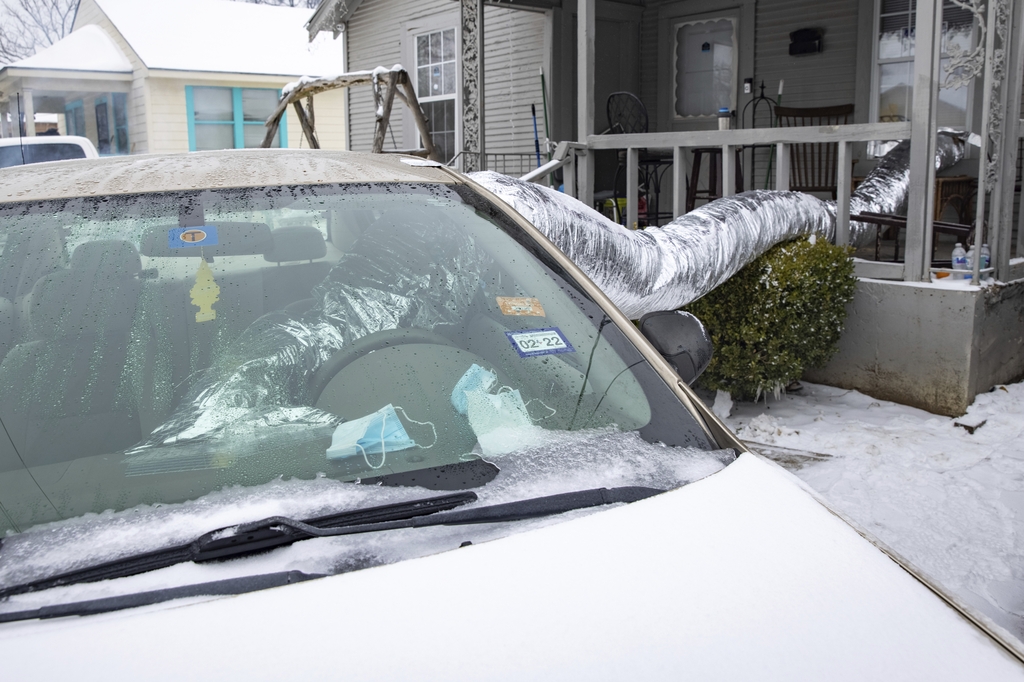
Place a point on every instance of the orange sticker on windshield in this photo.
(520, 305)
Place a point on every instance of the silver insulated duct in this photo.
(664, 268)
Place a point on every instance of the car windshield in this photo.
(264, 350)
(18, 154)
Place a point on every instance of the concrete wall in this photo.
(926, 346)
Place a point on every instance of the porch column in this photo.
(473, 85)
(586, 29)
(28, 108)
(1012, 86)
(923, 123)
(5, 126)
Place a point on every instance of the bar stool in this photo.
(713, 191)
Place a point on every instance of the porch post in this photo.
(632, 185)
(1012, 86)
(586, 28)
(473, 85)
(678, 182)
(927, 30)
(5, 126)
(28, 108)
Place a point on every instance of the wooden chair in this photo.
(814, 166)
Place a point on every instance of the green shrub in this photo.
(780, 314)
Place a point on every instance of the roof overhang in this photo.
(70, 81)
(331, 15)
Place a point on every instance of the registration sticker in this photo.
(184, 237)
(520, 305)
(530, 342)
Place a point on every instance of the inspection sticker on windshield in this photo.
(520, 305)
(184, 237)
(530, 342)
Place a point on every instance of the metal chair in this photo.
(628, 115)
(814, 166)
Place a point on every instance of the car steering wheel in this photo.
(376, 341)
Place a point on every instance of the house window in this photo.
(894, 64)
(74, 118)
(705, 67)
(102, 126)
(121, 122)
(230, 118)
(436, 87)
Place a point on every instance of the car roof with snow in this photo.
(209, 170)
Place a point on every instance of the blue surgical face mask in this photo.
(499, 419)
(370, 437)
(475, 380)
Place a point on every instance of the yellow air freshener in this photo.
(205, 293)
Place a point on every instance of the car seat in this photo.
(64, 394)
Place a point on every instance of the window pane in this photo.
(895, 92)
(253, 135)
(952, 103)
(704, 67)
(435, 80)
(448, 72)
(449, 45)
(422, 50)
(423, 81)
(214, 136)
(102, 128)
(258, 105)
(435, 47)
(212, 104)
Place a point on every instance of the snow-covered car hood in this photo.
(742, 575)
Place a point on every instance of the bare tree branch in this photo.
(27, 26)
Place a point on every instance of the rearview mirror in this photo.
(681, 339)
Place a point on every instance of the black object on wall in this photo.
(806, 41)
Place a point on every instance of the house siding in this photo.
(817, 80)
(513, 57)
(514, 54)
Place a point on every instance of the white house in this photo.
(141, 76)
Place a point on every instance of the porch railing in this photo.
(729, 140)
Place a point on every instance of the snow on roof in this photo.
(223, 36)
(87, 49)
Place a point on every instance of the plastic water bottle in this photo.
(970, 263)
(959, 257)
(986, 257)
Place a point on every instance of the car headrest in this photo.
(298, 242)
(30, 253)
(107, 256)
(233, 239)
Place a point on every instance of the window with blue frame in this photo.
(121, 122)
(74, 118)
(230, 118)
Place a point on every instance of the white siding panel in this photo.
(514, 55)
(815, 80)
(330, 119)
(168, 114)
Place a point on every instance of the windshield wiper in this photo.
(209, 546)
(216, 588)
(279, 530)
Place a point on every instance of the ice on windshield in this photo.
(564, 462)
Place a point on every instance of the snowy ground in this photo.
(950, 501)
